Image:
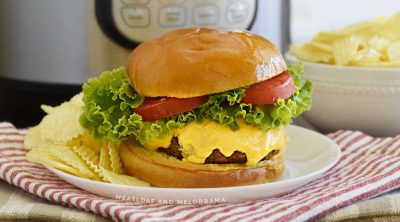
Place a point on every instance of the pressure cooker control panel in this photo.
(135, 21)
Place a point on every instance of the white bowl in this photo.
(355, 98)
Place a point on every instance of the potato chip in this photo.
(310, 52)
(87, 141)
(321, 46)
(61, 124)
(105, 161)
(90, 158)
(390, 28)
(122, 179)
(361, 27)
(90, 142)
(33, 138)
(378, 43)
(366, 56)
(71, 158)
(344, 50)
(77, 101)
(87, 154)
(47, 109)
(75, 142)
(109, 157)
(43, 156)
(115, 159)
(327, 37)
(335, 35)
(393, 52)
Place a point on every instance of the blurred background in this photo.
(50, 47)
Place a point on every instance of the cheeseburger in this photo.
(199, 108)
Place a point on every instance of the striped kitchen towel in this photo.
(369, 167)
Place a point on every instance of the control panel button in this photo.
(138, 2)
(170, 2)
(140, 20)
(236, 12)
(205, 15)
(172, 16)
(136, 16)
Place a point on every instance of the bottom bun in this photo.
(162, 170)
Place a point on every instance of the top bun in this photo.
(194, 62)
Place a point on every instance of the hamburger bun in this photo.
(195, 62)
(162, 170)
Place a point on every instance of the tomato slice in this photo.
(270, 90)
(156, 108)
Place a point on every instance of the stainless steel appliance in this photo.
(48, 48)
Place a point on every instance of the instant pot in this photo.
(49, 48)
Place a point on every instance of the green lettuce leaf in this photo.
(222, 107)
(296, 71)
(109, 101)
(108, 111)
(263, 116)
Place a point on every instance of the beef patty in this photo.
(215, 157)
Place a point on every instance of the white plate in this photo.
(309, 155)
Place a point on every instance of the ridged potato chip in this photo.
(33, 138)
(91, 159)
(47, 109)
(90, 142)
(122, 179)
(62, 123)
(43, 156)
(393, 52)
(366, 56)
(71, 158)
(87, 141)
(115, 159)
(75, 101)
(390, 28)
(321, 46)
(345, 50)
(378, 43)
(105, 160)
(311, 52)
(331, 37)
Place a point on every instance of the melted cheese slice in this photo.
(198, 140)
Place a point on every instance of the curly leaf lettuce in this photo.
(263, 116)
(109, 102)
(222, 107)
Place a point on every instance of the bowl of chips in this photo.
(356, 76)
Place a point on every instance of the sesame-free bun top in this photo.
(198, 61)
